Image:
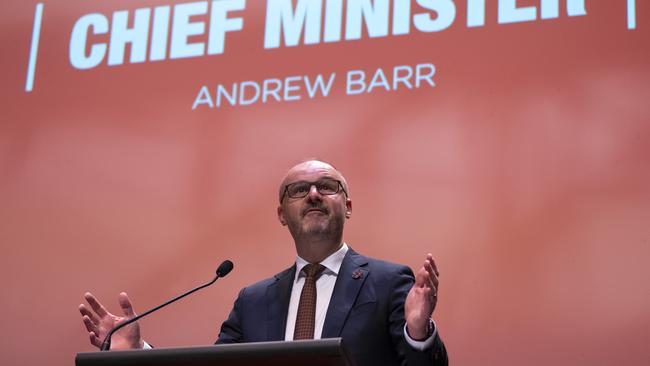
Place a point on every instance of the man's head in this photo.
(314, 203)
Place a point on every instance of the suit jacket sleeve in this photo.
(437, 354)
(231, 329)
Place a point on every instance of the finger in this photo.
(432, 294)
(431, 273)
(94, 340)
(421, 277)
(430, 282)
(433, 264)
(85, 312)
(96, 305)
(90, 326)
(426, 274)
(125, 304)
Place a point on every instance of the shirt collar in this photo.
(332, 263)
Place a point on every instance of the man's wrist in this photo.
(421, 335)
(425, 343)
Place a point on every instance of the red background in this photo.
(526, 171)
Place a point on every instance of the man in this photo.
(379, 309)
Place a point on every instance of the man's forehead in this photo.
(311, 170)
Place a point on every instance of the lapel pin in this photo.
(357, 274)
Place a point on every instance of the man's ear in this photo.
(281, 216)
(348, 208)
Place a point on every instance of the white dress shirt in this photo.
(324, 289)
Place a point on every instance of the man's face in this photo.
(315, 214)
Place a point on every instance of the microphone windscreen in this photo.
(224, 268)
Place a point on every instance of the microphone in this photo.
(224, 268)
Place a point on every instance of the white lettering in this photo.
(510, 13)
(402, 74)
(230, 97)
(475, 13)
(242, 92)
(220, 23)
(428, 76)
(319, 84)
(445, 9)
(79, 38)
(289, 86)
(136, 36)
(333, 18)
(355, 77)
(406, 79)
(160, 32)
(549, 9)
(379, 79)
(182, 28)
(275, 91)
(375, 15)
(401, 17)
(576, 8)
(281, 17)
(203, 98)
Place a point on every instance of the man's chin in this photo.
(312, 228)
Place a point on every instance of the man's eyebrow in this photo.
(313, 181)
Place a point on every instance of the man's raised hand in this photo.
(421, 299)
(99, 322)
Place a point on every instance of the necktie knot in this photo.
(313, 270)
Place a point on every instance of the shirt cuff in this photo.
(146, 345)
(421, 345)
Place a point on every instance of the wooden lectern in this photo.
(322, 352)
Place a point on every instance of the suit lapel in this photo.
(277, 299)
(352, 275)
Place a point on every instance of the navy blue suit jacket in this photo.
(367, 311)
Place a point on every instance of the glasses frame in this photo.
(340, 188)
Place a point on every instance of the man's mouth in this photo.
(314, 209)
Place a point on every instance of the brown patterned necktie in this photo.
(306, 316)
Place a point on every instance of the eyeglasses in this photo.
(324, 186)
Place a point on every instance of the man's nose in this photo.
(313, 193)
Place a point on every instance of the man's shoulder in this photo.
(380, 265)
(261, 286)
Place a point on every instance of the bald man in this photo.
(380, 309)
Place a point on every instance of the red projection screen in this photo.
(142, 142)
